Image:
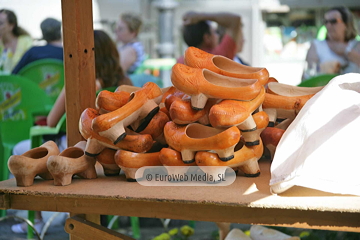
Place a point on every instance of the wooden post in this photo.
(79, 63)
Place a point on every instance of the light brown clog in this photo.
(96, 143)
(202, 84)
(71, 161)
(198, 58)
(107, 160)
(229, 113)
(196, 137)
(32, 163)
(130, 162)
(245, 158)
(290, 90)
(107, 101)
(142, 104)
(171, 158)
(155, 128)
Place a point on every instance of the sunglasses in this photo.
(331, 21)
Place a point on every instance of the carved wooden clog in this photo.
(252, 137)
(107, 160)
(202, 84)
(130, 162)
(156, 127)
(71, 161)
(32, 163)
(96, 143)
(197, 137)
(271, 137)
(143, 104)
(290, 90)
(233, 113)
(107, 101)
(170, 158)
(198, 58)
(245, 158)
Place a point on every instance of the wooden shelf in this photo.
(247, 200)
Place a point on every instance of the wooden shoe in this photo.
(71, 161)
(229, 113)
(130, 162)
(171, 158)
(127, 88)
(196, 137)
(252, 137)
(277, 106)
(27, 166)
(271, 137)
(107, 160)
(96, 143)
(291, 91)
(245, 159)
(143, 104)
(156, 127)
(107, 101)
(198, 58)
(202, 84)
(173, 96)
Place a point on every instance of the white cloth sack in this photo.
(321, 147)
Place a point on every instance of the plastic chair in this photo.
(47, 73)
(317, 81)
(20, 102)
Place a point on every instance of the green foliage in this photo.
(174, 234)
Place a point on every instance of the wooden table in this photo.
(247, 201)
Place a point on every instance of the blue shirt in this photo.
(37, 53)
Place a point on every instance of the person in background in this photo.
(14, 41)
(132, 50)
(200, 33)
(340, 51)
(108, 73)
(51, 31)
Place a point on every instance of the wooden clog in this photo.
(155, 128)
(71, 161)
(245, 158)
(127, 88)
(107, 160)
(170, 158)
(107, 101)
(27, 166)
(290, 90)
(196, 137)
(202, 84)
(96, 143)
(198, 58)
(271, 137)
(130, 162)
(142, 104)
(252, 137)
(229, 113)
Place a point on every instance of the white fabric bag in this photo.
(321, 147)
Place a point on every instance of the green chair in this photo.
(47, 73)
(320, 80)
(20, 102)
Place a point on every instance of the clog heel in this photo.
(202, 84)
(252, 137)
(107, 160)
(196, 137)
(142, 104)
(229, 113)
(171, 158)
(245, 159)
(27, 166)
(271, 137)
(71, 161)
(130, 162)
(198, 58)
(96, 143)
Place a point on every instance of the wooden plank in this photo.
(83, 229)
(79, 63)
(76, 230)
(339, 221)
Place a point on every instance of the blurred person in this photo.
(14, 41)
(340, 52)
(108, 73)
(199, 32)
(132, 50)
(51, 32)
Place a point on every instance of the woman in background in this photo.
(340, 51)
(14, 41)
(132, 51)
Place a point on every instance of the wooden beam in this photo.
(79, 63)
